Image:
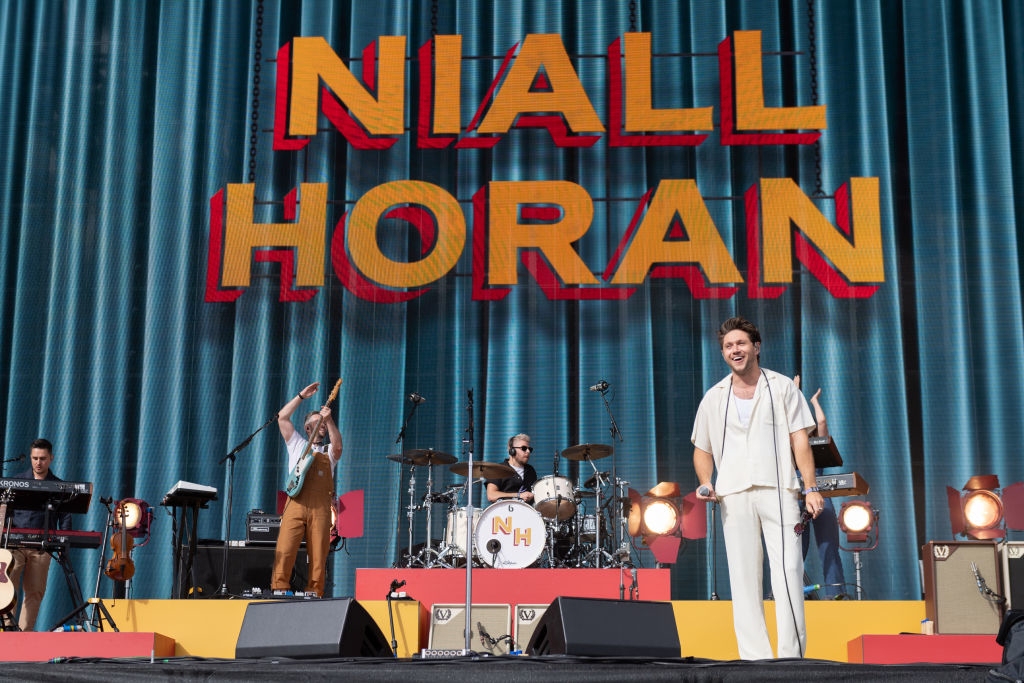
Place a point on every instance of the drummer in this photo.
(516, 485)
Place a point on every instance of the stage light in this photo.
(977, 512)
(662, 517)
(856, 519)
(135, 514)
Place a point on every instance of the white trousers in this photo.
(746, 516)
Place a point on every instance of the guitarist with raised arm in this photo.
(310, 486)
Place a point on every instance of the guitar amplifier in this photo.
(262, 528)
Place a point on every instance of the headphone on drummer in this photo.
(512, 451)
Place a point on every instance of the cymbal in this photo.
(488, 470)
(401, 459)
(428, 456)
(593, 451)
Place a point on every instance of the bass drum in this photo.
(509, 535)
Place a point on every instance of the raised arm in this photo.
(284, 416)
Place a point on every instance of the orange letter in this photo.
(541, 53)
(858, 257)
(704, 246)
(501, 526)
(751, 114)
(306, 236)
(507, 235)
(313, 59)
(522, 535)
(362, 233)
(640, 112)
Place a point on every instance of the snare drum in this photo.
(509, 535)
(456, 528)
(588, 528)
(553, 493)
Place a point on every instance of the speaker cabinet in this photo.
(606, 628)
(526, 619)
(310, 628)
(448, 628)
(1013, 574)
(951, 597)
(249, 566)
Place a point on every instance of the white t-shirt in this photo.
(749, 455)
(296, 445)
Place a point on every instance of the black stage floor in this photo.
(549, 668)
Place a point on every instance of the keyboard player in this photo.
(31, 568)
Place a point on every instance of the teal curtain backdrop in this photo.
(122, 119)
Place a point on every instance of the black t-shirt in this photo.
(514, 483)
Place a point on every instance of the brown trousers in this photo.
(307, 517)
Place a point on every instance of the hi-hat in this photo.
(587, 451)
(428, 456)
(592, 482)
(488, 470)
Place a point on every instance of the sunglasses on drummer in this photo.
(524, 449)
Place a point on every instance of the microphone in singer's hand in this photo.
(805, 517)
(704, 490)
(600, 386)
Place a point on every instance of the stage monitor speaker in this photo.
(310, 628)
(448, 628)
(606, 628)
(1013, 574)
(249, 566)
(526, 619)
(952, 599)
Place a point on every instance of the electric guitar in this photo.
(7, 592)
(297, 476)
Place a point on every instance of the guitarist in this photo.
(307, 515)
(31, 567)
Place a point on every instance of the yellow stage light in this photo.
(661, 517)
(856, 519)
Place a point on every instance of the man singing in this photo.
(30, 568)
(750, 427)
(307, 515)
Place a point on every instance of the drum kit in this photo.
(567, 525)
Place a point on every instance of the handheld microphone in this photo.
(600, 386)
(416, 398)
(704, 490)
(805, 519)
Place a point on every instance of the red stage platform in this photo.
(42, 647)
(913, 648)
(510, 586)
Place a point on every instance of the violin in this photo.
(121, 567)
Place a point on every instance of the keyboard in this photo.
(33, 538)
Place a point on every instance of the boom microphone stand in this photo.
(222, 592)
(469, 527)
(416, 400)
(615, 434)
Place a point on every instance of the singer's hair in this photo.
(315, 412)
(739, 324)
(43, 444)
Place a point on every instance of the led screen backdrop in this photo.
(209, 205)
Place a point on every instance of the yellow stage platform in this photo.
(209, 628)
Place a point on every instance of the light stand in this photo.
(860, 536)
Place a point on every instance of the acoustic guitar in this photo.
(297, 476)
(7, 592)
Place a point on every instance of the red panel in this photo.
(350, 514)
(510, 586)
(41, 647)
(1013, 506)
(939, 649)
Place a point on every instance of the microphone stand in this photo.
(222, 592)
(615, 434)
(469, 528)
(398, 485)
(14, 459)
